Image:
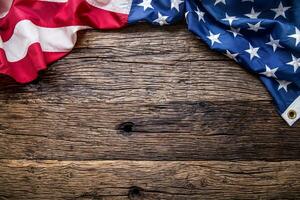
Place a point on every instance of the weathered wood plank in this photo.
(162, 63)
(144, 43)
(186, 103)
(148, 180)
(90, 79)
(173, 130)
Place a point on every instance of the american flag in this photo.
(263, 36)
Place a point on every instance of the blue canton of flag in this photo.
(263, 36)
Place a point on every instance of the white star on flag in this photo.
(200, 14)
(253, 14)
(270, 72)
(231, 55)
(230, 19)
(220, 1)
(274, 43)
(235, 32)
(146, 4)
(295, 63)
(283, 84)
(214, 38)
(252, 51)
(296, 36)
(280, 11)
(175, 4)
(161, 20)
(255, 27)
(186, 14)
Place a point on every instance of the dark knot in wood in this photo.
(135, 193)
(126, 128)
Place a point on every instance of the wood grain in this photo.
(157, 65)
(144, 113)
(172, 131)
(148, 180)
(185, 102)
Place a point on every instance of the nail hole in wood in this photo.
(135, 192)
(126, 128)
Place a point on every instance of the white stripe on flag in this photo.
(118, 6)
(51, 39)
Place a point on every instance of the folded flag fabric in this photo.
(34, 33)
(263, 36)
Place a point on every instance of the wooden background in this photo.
(145, 113)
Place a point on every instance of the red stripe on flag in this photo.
(52, 15)
(26, 70)
(46, 15)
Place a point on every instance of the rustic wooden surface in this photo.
(145, 113)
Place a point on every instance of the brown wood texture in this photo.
(158, 97)
(149, 180)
